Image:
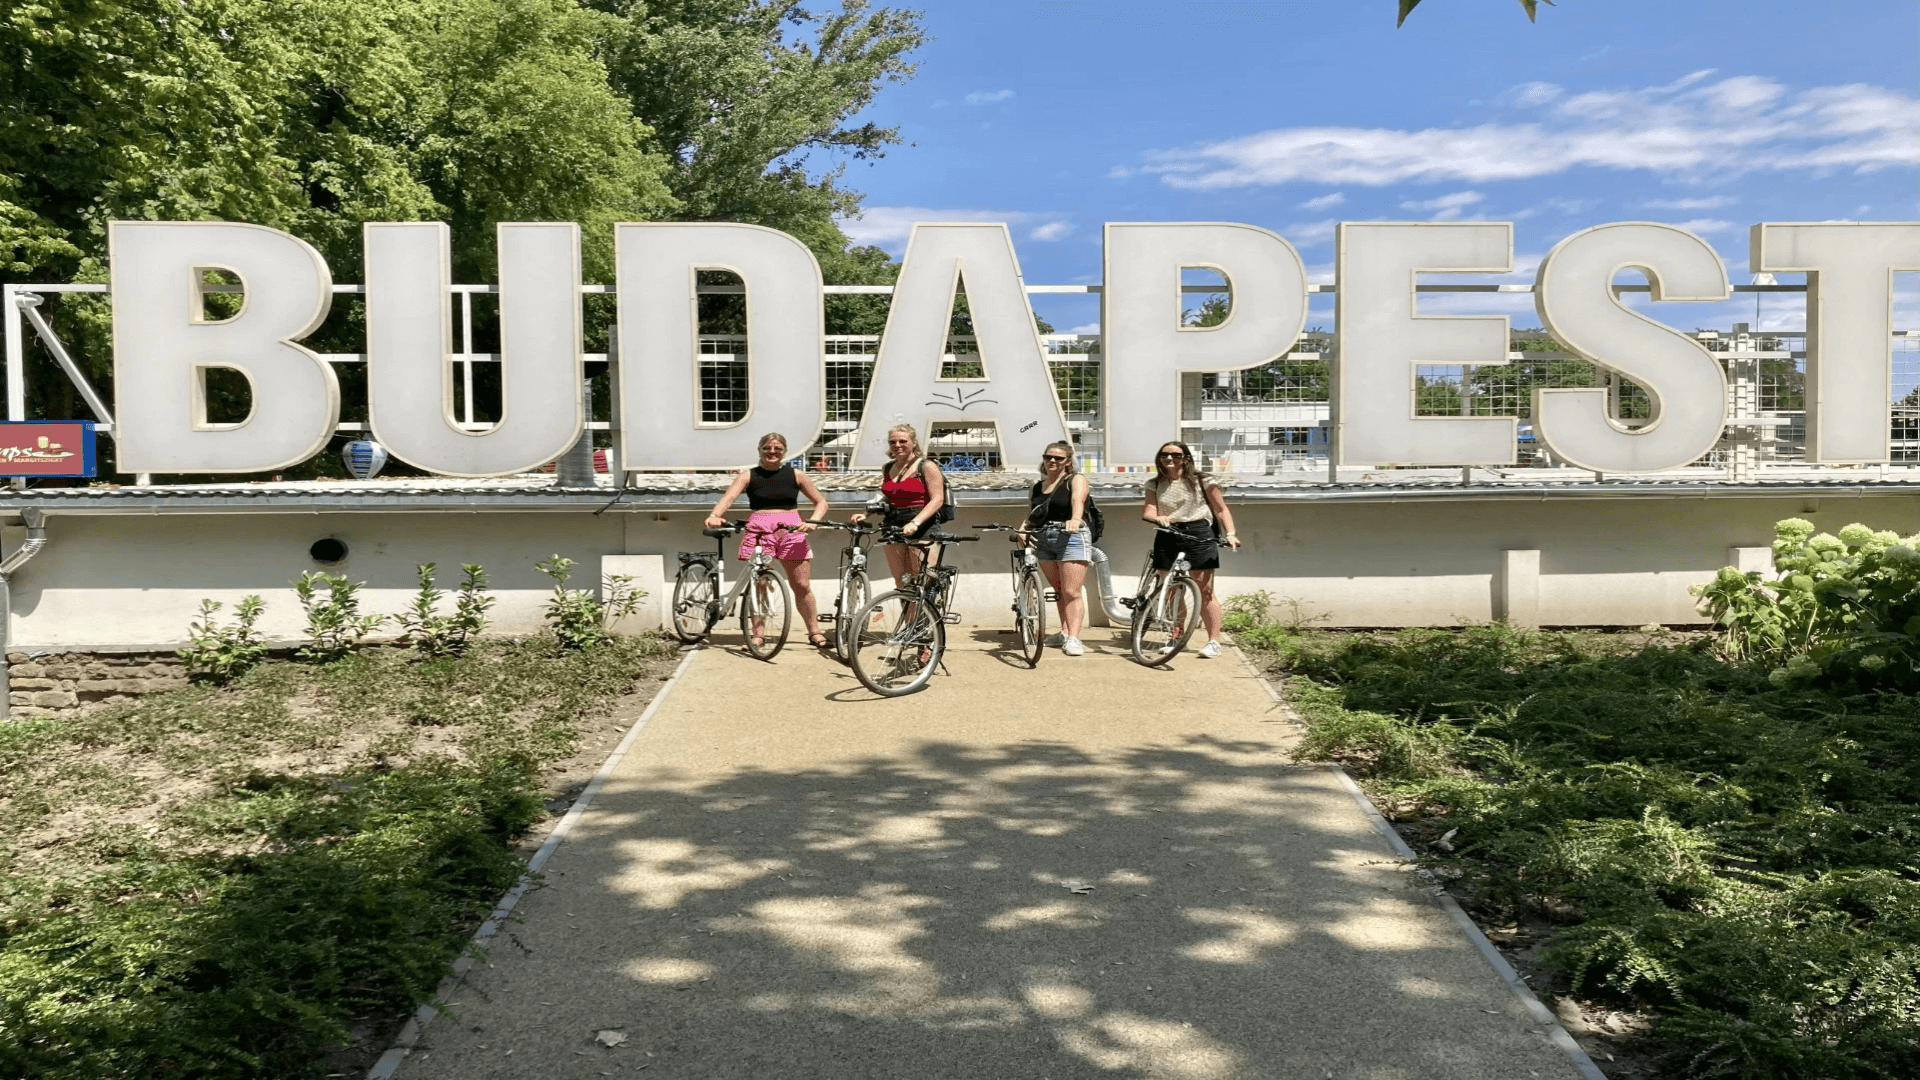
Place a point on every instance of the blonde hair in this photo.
(762, 444)
(1069, 467)
(911, 434)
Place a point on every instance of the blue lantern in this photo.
(364, 458)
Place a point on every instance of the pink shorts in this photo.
(763, 528)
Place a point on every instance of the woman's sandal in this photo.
(819, 640)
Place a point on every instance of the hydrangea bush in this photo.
(1842, 609)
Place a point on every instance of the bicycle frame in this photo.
(721, 606)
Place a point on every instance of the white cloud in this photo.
(889, 226)
(988, 97)
(1691, 128)
(1714, 203)
(1324, 202)
(1309, 233)
(1709, 225)
(1085, 328)
(1446, 207)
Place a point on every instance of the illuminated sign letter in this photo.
(1688, 390)
(660, 404)
(410, 371)
(1014, 392)
(1382, 335)
(1849, 268)
(163, 343)
(1146, 345)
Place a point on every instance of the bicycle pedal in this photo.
(951, 618)
(1129, 602)
(1052, 597)
(825, 616)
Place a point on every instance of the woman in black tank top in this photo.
(773, 489)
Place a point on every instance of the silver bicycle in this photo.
(700, 597)
(1030, 592)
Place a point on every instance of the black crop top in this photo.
(1054, 507)
(773, 489)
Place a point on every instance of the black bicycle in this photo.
(1166, 607)
(900, 636)
(1030, 592)
(855, 587)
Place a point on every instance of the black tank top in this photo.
(773, 489)
(1058, 506)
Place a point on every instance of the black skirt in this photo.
(1196, 539)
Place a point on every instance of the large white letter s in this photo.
(1573, 294)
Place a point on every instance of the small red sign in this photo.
(46, 448)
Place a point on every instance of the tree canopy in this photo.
(317, 115)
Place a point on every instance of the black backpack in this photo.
(945, 513)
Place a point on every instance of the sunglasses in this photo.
(1052, 457)
(1174, 457)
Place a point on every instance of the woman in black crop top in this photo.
(773, 489)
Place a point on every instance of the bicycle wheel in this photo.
(855, 592)
(1165, 620)
(898, 644)
(694, 594)
(1030, 618)
(766, 609)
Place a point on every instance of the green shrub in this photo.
(433, 634)
(1844, 610)
(218, 654)
(579, 619)
(335, 626)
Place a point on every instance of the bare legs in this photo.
(1069, 581)
(800, 577)
(1210, 613)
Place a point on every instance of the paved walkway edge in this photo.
(1536, 1009)
(416, 1025)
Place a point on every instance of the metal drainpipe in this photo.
(1117, 613)
(36, 522)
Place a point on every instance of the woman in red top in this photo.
(914, 489)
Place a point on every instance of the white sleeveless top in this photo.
(1181, 502)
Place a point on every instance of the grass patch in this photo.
(227, 882)
(1740, 857)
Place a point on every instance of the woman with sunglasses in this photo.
(1180, 498)
(914, 490)
(1059, 499)
(773, 491)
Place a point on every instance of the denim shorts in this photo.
(1058, 545)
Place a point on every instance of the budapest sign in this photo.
(164, 343)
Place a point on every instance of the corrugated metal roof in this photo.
(694, 491)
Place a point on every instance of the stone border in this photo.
(64, 681)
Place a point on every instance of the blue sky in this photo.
(1059, 115)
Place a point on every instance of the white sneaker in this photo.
(1072, 647)
(1210, 650)
(1056, 641)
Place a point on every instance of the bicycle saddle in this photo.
(717, 534)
